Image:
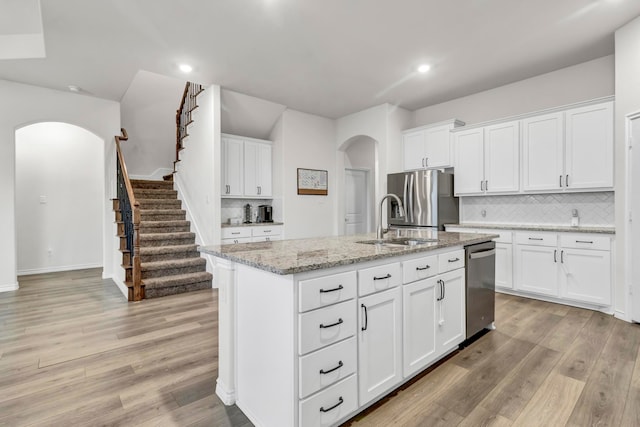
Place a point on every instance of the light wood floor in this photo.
(73, 352)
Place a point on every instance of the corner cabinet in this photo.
(429, 146)
(246, 167)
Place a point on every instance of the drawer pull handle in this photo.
(267, 231)
(426, 267)
(340, 402)
(339, 322)
(323, 291)
(366, 320)
(382, 277)
(536, 238)
(584, 241)
(454, 260)
(237, 232)
(340, 365)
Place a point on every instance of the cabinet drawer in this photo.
(331, 405)
(419, 268)
(235, 232)
(266, 231)
(450, 261)
(327, 366)
(538, 239)
(327, 290)
(326, 325)
(266, 238)
(379, 278)
(585, 241)
(235, 241)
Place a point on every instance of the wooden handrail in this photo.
(134, 246)
(188, 103)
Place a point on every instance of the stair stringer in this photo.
(178, 185)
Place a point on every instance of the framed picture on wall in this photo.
(313, 182)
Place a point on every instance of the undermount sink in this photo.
(400, 241)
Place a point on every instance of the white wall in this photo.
(278, 172)
(627, 77)
(589, 80)
(21, 105)
(64, 232)
(148, 112)
(304, 141)
(198, 174)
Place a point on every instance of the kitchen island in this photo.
(312, 331)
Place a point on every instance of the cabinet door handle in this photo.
(562, 257)
(235, 240)
(566, 180)
(454, 260)
(382, 277)
(325, 291)
(486, 186)
(441, 290)
(560, 180)
(536, 238)
(339, 322)
(426, 267)
(366, 320)
(555, 255)
(426, 162)
(584, 241)
(340, 402)
(423, 162)
(481, 185)
(340, 365)
(444, 289)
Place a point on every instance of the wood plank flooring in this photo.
(73, 352)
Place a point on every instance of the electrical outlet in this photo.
(483, 212)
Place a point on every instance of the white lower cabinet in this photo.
(379, 343)
(537, 269)
(504, 265)
(419, 325)
(586, 275)
(450, 311)
(331, 405)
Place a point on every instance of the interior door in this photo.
(356, 212)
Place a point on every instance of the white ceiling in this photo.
(329, 57)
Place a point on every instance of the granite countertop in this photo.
(300, 255)
(534, 227)
(251, 224)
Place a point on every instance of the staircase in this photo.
(169, 260)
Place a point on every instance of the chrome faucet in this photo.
(380, 232)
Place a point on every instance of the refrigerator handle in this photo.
(405, 199)
(412, 196)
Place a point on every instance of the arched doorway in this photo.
(59, 181)
(359, 157)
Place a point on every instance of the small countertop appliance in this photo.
(265, 213)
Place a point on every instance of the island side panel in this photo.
(265, 347)
(226, 382)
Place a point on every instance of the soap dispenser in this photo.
(575, 219)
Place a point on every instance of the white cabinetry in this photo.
(571, 150)
(379, 343)
(246, 167)
(537, 264)
(248, 234)
(450, 311)
(429, 146)
(232, 165)
(487, 159)
(419, 323)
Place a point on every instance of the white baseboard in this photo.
(122, 287)
(156, 175)
(9, 287)
(228, 397)
(618, 314)
(42, 270)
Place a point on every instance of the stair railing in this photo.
(130, 216)
(188, 103)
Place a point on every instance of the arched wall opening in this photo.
(358, 166)
(59, 198)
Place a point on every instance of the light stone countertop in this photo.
(300, 255)
(252, 224)
(534, 227)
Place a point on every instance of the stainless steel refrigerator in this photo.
(427, 196)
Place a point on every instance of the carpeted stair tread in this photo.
(164, 226)
(177, 280)
(174, 263)
(173, 290)
(142, 183)
(156, 250)
(163, 236)
(147, 204)
(154, 193)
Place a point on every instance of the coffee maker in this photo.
(265, 213)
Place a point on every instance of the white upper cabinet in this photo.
(429, 146)
(487, 159)
(589, 147)
(232, 167)
(542, 152)
(246, 168)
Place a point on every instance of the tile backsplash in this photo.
(594, 209)
(232, 208)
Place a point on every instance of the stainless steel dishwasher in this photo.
(480, 286)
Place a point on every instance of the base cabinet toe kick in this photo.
(315, 348)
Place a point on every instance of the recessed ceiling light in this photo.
(186, 68)
(424, 68)
(74, 88)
